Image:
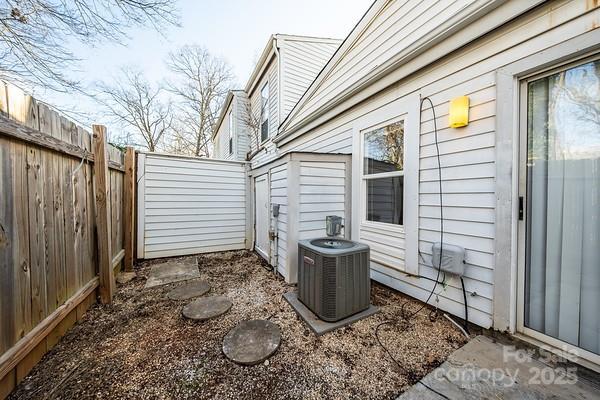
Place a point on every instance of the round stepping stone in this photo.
(189, 290)
(207, 307)
(252, 342)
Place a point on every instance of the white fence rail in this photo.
(188, 205)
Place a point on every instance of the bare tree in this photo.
(201, 84)
(139, 107)
(34, 33)
(179, 141)
(252, 125)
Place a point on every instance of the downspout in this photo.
(274, 233)
(274, 236)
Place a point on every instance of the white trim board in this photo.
(141, 211)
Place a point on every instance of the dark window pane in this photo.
(384, 149)
(264, 113)
(264, 131)
(384, 200)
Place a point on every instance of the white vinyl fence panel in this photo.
(188, 206)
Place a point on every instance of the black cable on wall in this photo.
(439, 266)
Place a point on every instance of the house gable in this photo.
(302, 58)
(390, 35)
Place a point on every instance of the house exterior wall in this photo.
(468, 155)
(221, 142)
(270, 77)
(396, 26)
(188, 205)
(337, 140)
(289, 72)
(301, 61)
(322, 192)
(308, 187)
(241, 133)
(288, 65)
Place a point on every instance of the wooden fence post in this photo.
(128, 214)
(107, 281)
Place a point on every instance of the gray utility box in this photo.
(452, 258)
(333, 277)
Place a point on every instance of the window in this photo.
(231, 132)
(383, 173)
(264, 113)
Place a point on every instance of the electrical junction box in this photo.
(453, 258)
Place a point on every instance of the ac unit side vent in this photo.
(329, 287)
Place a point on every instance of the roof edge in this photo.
(345, 45)
(266, 55)
(451, 26)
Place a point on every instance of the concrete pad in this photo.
(189, 290)
(487, 369)
(207, 308)
(252, 342)
(318, 326)
(172, 271)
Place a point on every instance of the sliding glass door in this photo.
(561, 277)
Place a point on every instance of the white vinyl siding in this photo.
(399, 24)
(301, 61)
(220, 146)
(308, 187)
(337, 140)
(241, 133)
(322, 193)
(191, 205)
(468, 154)
(279, 195)
(221, 141)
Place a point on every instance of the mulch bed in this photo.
(141, 346)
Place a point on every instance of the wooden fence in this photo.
(64, 215)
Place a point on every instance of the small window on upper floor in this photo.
(231, 132)
(264, 113)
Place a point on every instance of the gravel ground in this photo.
(141, 346)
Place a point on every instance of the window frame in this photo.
(406, 107)
(264, 109)
(366, 177)
(230, 134)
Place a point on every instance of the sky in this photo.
(236, 30)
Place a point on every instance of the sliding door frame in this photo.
(563, 348)
(507, 145)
